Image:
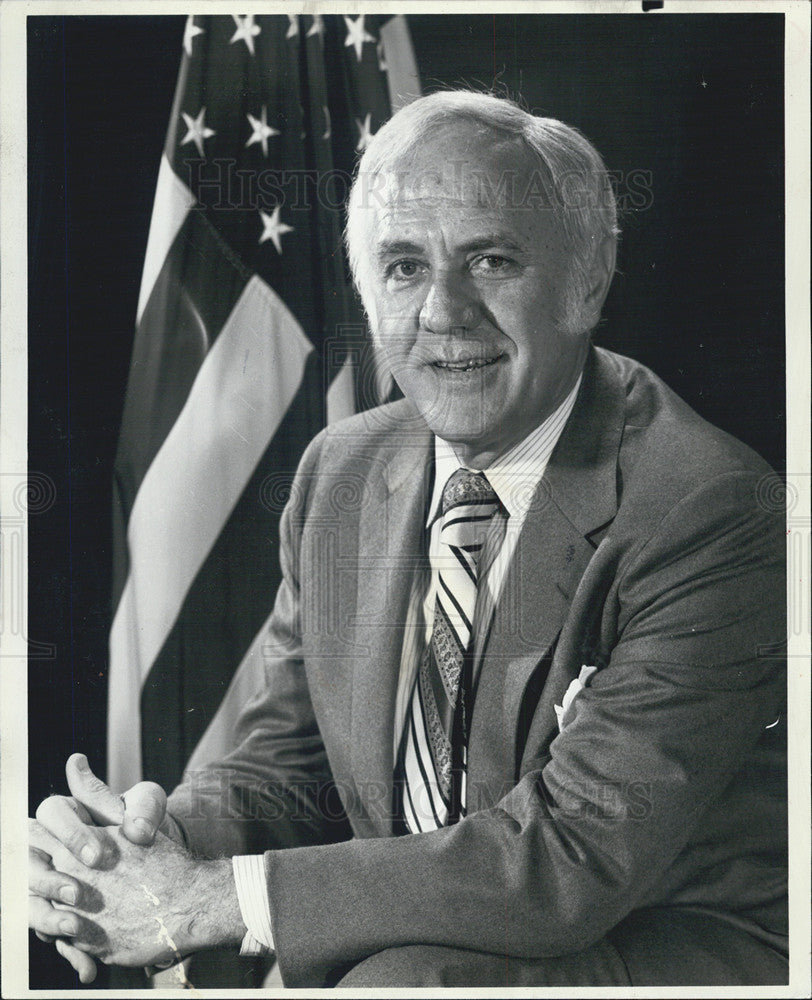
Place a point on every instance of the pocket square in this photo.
(565, 711)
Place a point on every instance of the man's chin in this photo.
(473, 449)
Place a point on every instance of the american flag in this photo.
(248, 339)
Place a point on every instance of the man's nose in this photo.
(450, 306)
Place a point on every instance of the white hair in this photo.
(577, 188)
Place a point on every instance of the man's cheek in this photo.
(395, 345)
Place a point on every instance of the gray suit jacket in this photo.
(651, 553)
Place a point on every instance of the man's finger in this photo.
(45, 919)
(60, 817)
(44, 881)
(144, 810)
(82, 963)
(104, 807)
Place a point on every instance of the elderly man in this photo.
(519, 725)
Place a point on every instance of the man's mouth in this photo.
(465, 364)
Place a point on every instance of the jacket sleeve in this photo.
(275, 789)
(679, 705)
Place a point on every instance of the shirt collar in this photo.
(515, 475)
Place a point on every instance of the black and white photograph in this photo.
(405, 498)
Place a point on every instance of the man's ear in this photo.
(600, 278)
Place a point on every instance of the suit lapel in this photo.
(391, 533)
(576, 498)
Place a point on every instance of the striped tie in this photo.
(431, 766)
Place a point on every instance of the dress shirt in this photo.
(252, 894)
(515, 477)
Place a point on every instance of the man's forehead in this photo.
(428, 213)
(483, 178)
(469, 213)
(469, 184)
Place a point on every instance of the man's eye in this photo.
(403, 270)
(491, 262)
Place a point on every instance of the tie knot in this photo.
(466, 488)
(469, 503)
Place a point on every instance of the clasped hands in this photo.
(110, 880)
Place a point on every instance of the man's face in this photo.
(466, 291)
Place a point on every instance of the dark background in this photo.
(696, 101)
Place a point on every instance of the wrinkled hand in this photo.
(73, 822)
(144, 905)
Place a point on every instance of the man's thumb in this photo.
(144, 811)
(104, 807)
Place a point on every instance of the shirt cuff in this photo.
(252, 894)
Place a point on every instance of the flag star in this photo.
(293, 27)
(198, 130)
(329, 130)
(381, 58)
(189, 33)
(356, 34)
(246, 31)
(274, 228)
(261, 130)
(364, 132)
(317, 28)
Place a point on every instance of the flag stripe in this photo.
(194, 666)
(173, 199)
(192, 671)
(247, 402)
(341, 393)
(164, 368)
(219, 736)
(123, 696)
(401, 76)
